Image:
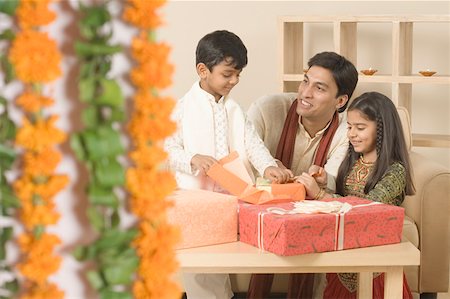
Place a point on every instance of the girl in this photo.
(376, 167)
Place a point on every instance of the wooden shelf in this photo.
(385, 79)
(402, 77)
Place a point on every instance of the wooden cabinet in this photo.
(345, 42)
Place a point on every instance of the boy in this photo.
(210, 126)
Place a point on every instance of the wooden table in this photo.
(238, 257)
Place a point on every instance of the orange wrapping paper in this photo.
(228, 174)
(204, 217)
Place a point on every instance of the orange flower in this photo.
(143, 128)
(155, 107)
(148, 157)
(43, 291)
(153, 236)
(40, 261)
(151, 120)
(152, 74)
(33, 102)
(154, 184)
(165, 289)
(40, 135)
(33, 215)
(148, 208)
(41, 163)
(24, 188)
(143, 50)
(54, 184)
(35, 57)
(31, 13)
(141, 13)
(157, 263)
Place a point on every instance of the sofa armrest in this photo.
(429, 208)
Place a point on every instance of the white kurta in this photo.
(215, 129)
(199, 130)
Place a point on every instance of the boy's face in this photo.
(317, 94)
(220, 81)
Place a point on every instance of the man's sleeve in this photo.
(255, 116)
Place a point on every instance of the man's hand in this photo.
(277, 174)
(202, 163)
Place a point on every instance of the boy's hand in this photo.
(202, 163)
(319, 174)
(311, 186)
(277, 174)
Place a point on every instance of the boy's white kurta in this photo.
(196, 117)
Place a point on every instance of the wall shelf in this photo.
(402, 77)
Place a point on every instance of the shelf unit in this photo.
(292, 43)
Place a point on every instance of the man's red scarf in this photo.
(285, 149)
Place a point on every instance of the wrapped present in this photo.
(204, 217)
(319, 226)
(230, 174)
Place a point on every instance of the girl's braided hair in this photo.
(390, 142)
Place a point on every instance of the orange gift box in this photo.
(204, 217)
(231, 174)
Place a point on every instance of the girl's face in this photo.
(220, 81)
(362, 134)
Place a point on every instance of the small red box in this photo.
(364, 225)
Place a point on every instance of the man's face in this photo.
(317, 94)
(221, 80)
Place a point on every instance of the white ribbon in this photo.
(339, 209)
(261, 230)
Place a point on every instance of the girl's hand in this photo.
(202, 163)
(311, 186)
(319, 174)
(277, 174)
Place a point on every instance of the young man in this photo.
(210, 126)
(307, 134)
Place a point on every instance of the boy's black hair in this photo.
(221, 45)
(390, 142)
(344, 72)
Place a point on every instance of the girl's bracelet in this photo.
(319, 194)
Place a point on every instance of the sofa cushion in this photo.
(410, 231)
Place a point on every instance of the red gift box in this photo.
(366, 224)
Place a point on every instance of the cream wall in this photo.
(256, 23)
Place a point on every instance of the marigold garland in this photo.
(147, 184)
(36, 58)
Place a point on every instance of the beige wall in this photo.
(256, 23)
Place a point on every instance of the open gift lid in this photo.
(230, 173)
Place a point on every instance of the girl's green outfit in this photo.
(389, 190)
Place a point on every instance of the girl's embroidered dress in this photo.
(388, 190)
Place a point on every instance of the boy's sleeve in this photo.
(179, 158)
(258, 155)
